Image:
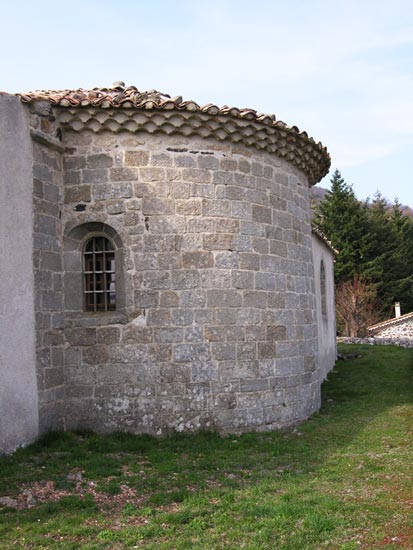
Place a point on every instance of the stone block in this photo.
(254, 385)
(223, 177)
(264, 281)
(157, 206)
(157, 280)
(224, 298)
(224, 351)
(100, 160)
(175, 372)
(169, 299)
(71, 177)
(233, 192)
(246, 351)
(161, 159)
(74, 162)
(196, 175)
(256, 333)
(42, 172)
(229, 164)
(244, 166)
(53, 377)
(159, 353)
(45, 224)
(182, 317)
(204, 371)
(52, 301)
(189, 207)
(241, 209)
(193, 298)
(108, 335)
(160, 243)
(201, 225)
(183, 353)
(152, 174)
(128, 353)
(95, 355)
(216, 278)
(212, 208)
(185, 279)
(261, 214)
(78, 193)
(197, 260)
(180, 190)
(261, 246)
(225, 401)
(242, 279)
(255, 299)
(184, 161)
(146, 298)
(100, 175)
(267, 350)
(226, 316)
(203, 190)
(136, 158)
(133, 334)
(132, 219)
(168, 335)
(112, 190)
(82, 336)
(123, 174)
(208, 162)
(228, 260)
(158, 317)
(193, 333)
(218, 242)
(51, 192)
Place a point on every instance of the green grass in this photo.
(342, 480)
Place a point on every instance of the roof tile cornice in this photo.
(245, 126)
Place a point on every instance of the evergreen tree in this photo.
(343, 219)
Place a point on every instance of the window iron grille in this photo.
(99, 275)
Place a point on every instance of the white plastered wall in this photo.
(326, 321)
(18, 386)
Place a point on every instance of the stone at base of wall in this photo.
(402, 342)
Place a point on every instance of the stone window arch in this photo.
(323, 290)
(86, 247)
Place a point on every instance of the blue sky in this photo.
(341, 70)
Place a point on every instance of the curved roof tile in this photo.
(129, 97)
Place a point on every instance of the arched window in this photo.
(323, 289)
(99, 275)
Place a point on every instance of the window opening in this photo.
(323, 289)
(99, 275)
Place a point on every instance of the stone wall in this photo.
(47, 264)
(403, 329)
(216, 321)
(402, 342)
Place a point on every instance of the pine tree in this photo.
(343, 219)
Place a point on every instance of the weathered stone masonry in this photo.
(215, 321)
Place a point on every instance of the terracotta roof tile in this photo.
(120, 96)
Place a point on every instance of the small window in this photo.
(99, 275)
(323, 289)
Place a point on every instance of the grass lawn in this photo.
(342, 480)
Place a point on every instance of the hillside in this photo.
(317, 194)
